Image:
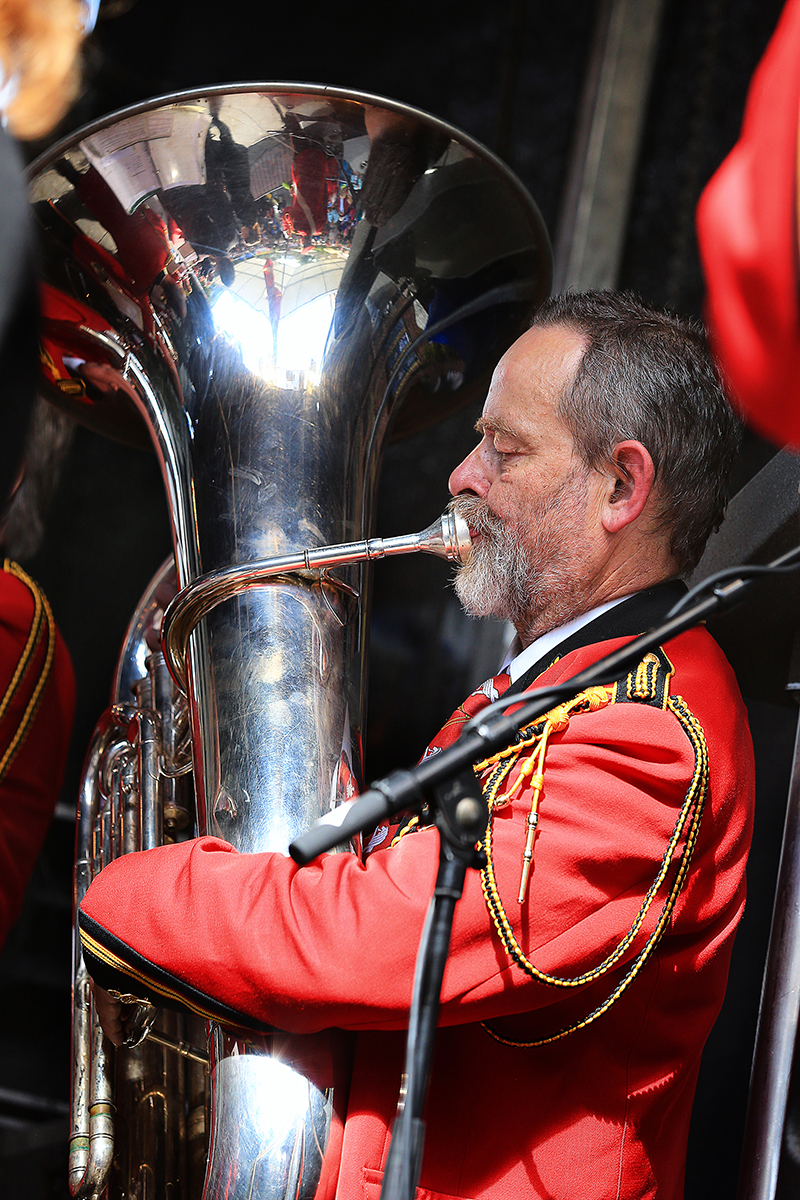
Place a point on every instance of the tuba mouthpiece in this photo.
(448, 537)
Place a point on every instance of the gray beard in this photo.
(536, 588)
(497, 580)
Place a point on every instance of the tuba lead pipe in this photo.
(448, 538)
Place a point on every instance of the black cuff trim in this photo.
(114, 965)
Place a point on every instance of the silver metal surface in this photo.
(91, 1145)
(765, 1137)
(594, 215)
(133, 785)
(262, 282)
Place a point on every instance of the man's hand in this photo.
(109, 1013)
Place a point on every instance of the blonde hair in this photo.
(39, 42)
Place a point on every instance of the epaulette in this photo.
(647, 683)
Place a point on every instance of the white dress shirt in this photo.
(518, 661)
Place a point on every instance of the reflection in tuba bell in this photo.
(261, 282)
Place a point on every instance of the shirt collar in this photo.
(517, 661)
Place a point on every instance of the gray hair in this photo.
(648, 376)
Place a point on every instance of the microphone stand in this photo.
(447, 782)
(462, 815)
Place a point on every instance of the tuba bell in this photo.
(262, 283)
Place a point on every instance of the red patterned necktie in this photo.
(483, 696)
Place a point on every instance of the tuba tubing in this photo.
(449, 538)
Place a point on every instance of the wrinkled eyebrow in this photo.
(485, 425)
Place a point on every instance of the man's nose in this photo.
(470, 476)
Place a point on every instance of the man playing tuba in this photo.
(589, 957)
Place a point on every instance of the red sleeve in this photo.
(335, 943)
(747, 236)
(38, 698)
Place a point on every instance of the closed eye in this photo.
(503, 440)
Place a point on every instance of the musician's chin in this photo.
(480, 587)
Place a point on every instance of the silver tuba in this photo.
(261, 282)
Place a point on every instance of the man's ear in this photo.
(631, 476)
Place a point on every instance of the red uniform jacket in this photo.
(601, 1112)
(37, 700)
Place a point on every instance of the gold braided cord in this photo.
(532, 737)
(119, 964)
(409, 827)
(11, 568)
(688, 823)
(557, 718)
(42, 615)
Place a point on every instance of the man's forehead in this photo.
(545, 356)
(529, 382)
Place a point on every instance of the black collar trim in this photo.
(638, 614)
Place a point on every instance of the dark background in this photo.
(509, 74)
